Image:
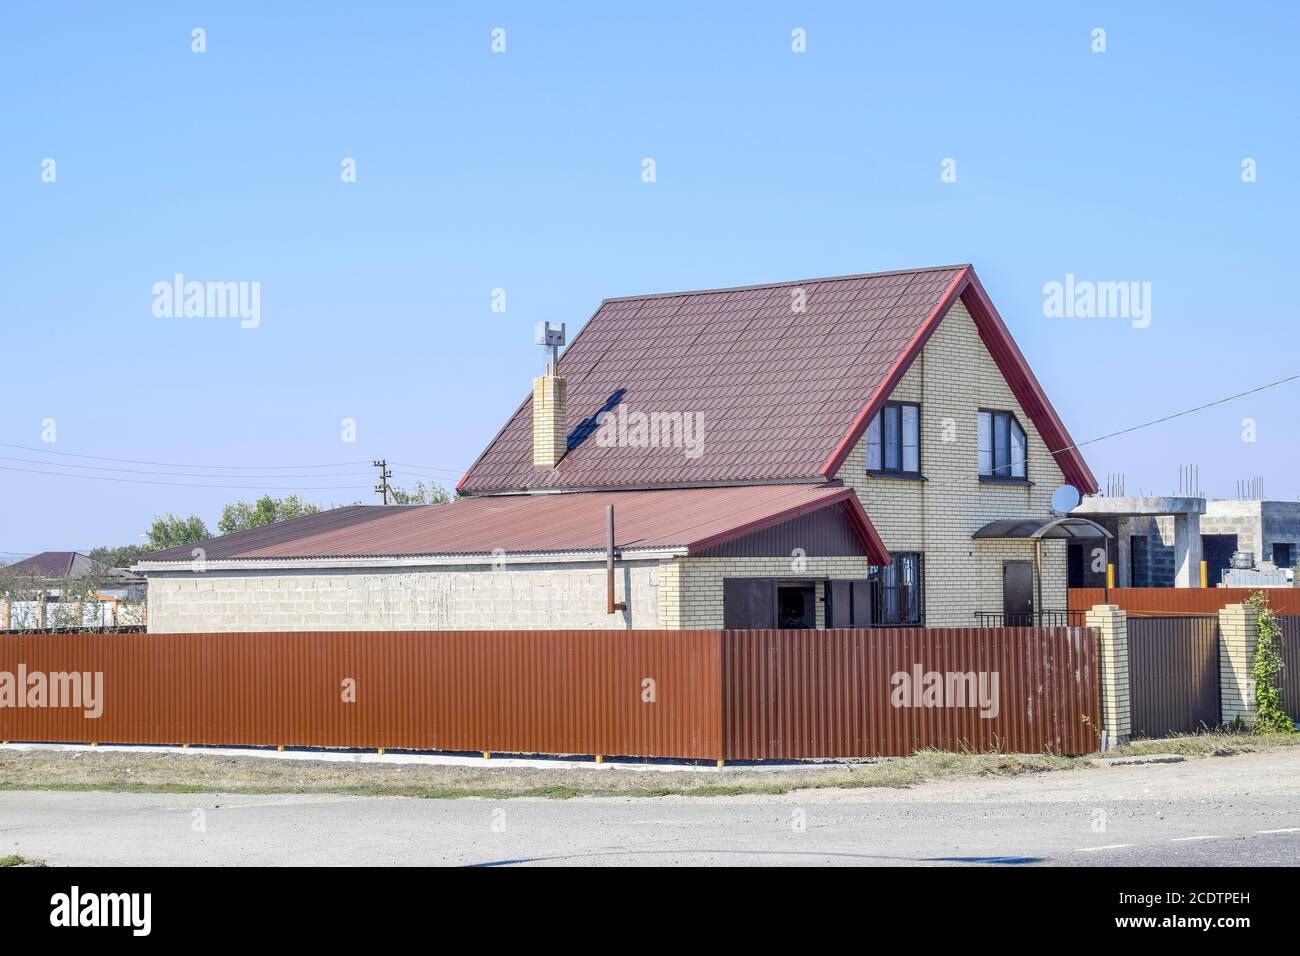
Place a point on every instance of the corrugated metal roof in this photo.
(48, 564)
(63, 564)
(782, 394)
(777, 388)
(233, 545)
(690, 518)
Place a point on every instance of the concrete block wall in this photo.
(1280, 524)
(469, 597)
(1258, 525)
(952, 379)
(1159, 533)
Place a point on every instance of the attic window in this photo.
(1003, 447)
(894, 439)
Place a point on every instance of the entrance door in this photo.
(796, 605)
(748, 603)
(1017, 593)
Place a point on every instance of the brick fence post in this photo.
(1238, 635)
(1111, 623)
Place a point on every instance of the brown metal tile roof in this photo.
(232, 545)
(691, 518)
(777, 390)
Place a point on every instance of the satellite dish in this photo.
(1065, 499)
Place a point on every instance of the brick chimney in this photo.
(550, 436)
(550, 410)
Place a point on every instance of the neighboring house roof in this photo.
(63, 565)
(784, 395)
(53, 564)
(689, 520)
(57, 564)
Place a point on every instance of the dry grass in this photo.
(209, 773)
(1209, 744)
(199, 773)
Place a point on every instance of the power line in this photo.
(172, 464)
(1134, 428)
(172, 474)
(183, 484)
(1188, 411)
(407, 464)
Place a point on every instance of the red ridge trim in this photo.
(998, 340)
(858, 520)
(877, 553)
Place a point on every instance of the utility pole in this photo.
(384, 474)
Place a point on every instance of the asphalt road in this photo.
(1242, 810)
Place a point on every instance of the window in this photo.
(899, 591)
(1003, 447)
(894, 439)
(1283, 556)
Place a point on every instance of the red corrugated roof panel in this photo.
(690, 518)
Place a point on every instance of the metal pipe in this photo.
(1038, 579)
(609, 562)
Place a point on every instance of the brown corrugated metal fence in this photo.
(576, 692)
(1173, 672)
(685, 694)
(1157, 602)
(799, 694)
(1291, 665)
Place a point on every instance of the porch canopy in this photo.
(1076, 529)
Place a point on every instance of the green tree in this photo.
(172, 531)
(435, 494)
(123, 557)
(243, 515)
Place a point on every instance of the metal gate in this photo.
(1291, 665)
(1173, 674)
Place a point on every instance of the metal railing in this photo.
(1043, 618)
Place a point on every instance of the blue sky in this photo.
(522, 171)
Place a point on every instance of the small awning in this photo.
(1080, 529)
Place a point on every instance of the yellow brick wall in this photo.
(952, 378)
(1116, 702)
(1238, 637)
(670, 595)
(700, 590)
(550, 439)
